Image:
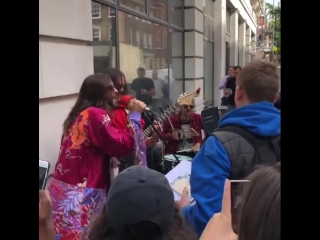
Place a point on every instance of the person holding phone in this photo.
(46, 229)
(82, 177)
(261, 193)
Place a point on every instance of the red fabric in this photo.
(195, 122)
(120, 117)
(121, 121)
(85, 152)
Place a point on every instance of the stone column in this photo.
(193, 48)
(234, 36)
(219, 32)
(254, 46)
(248, 45)
(242, 43)
(193, 51)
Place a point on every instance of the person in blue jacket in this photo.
(211, 165)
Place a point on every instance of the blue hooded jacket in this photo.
(211, 166)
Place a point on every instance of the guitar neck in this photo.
(167, 113)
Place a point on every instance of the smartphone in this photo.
(237, 187)
(44, 167)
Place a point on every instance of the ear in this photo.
(239, 93)
(276, 98)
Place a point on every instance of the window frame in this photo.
(110, 12)
(99, 10)
(99, 28)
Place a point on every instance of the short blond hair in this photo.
(260, 81)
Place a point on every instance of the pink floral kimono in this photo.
(82, 177)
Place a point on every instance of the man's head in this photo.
(141, 72)
(236, 71)
(257, 82)
(230, 73)
(118, 79)
(186, 110)
(154, 74)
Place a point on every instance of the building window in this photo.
(96, 33)
(110, 33)
(95, 10)
(145, 44)
(103, 46)
(112, 12)
(138, 10)
(158, 9)
(227, 57)
(133, 3)
(176, 13)
(150, 41)
(228, 21)
(129, 37)
(137, 39)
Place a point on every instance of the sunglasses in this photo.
(186, 106)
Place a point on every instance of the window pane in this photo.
(208, 70)
(208, 20)
(176, 64)
(103, 30)
(158, 9)
(138, 5)
(176, 12)
(144, 44)
(228, 21)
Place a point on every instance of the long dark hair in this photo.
(263, 195)
(93, 93)
(101, 230)
(116, 76)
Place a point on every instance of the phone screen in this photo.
(42, 177)
(236, 195)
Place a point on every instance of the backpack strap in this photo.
(254, 140)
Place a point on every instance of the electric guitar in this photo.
(183, 99)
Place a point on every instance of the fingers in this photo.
(44, 196)
(226, 200)
(185, 192)
(134, 103)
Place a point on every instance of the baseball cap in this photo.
(139, 194)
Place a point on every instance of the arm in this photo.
(199, 123)
(149, 142)
(106, 137)
(152, 90)
(222, 83)
(227, 87)
(46, 231)
(228, 84)
(166, 134)
(210, 168)
(133, 88)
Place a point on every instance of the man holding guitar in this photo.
(183, 130)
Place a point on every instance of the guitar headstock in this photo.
(186, 98)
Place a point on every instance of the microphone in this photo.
(124, 102)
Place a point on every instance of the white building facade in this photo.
(192, 43)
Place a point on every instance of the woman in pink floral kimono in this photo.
(82, 178)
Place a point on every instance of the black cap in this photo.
(139, 194)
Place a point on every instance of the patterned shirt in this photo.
(196, 123)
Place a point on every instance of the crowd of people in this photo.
(104, 134)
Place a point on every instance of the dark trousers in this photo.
(224, 101)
